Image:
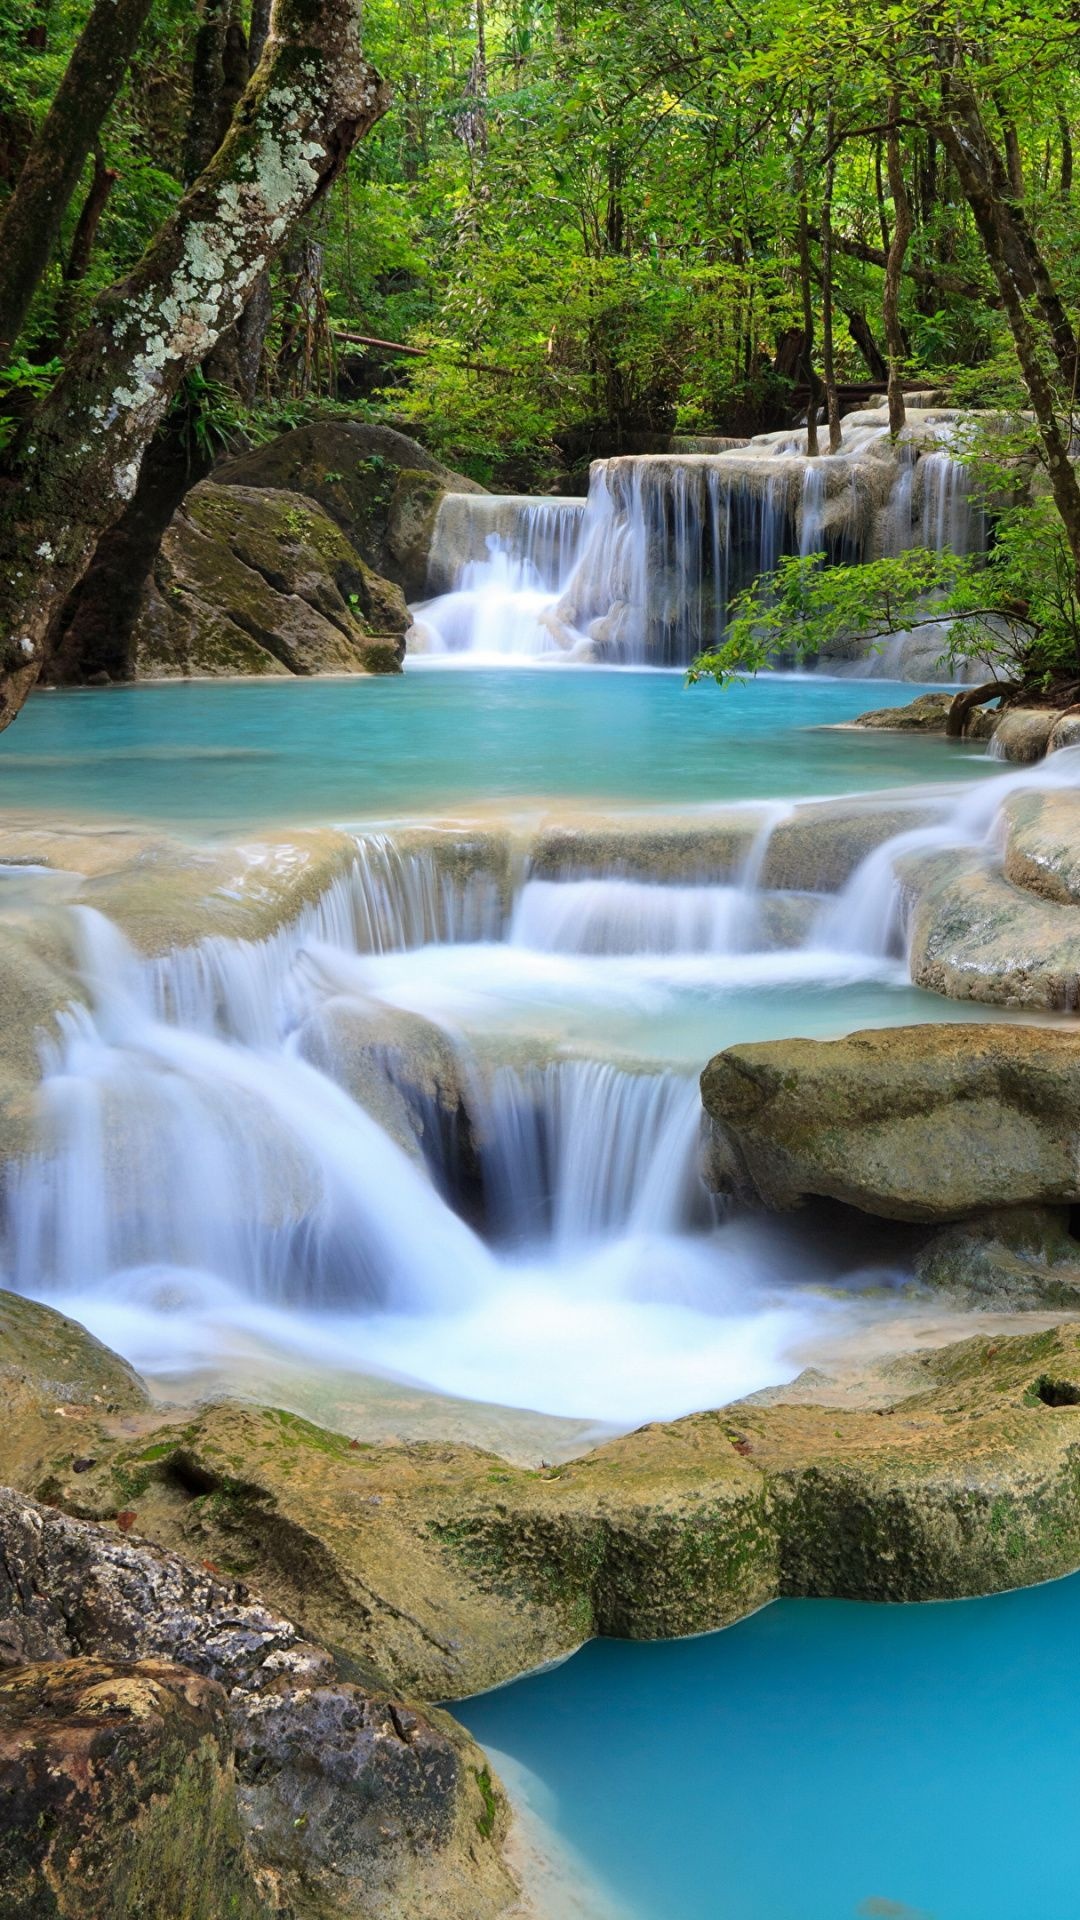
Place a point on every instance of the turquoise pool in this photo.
(823, 1760)
(221, 755)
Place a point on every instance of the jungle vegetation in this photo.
(532, 232)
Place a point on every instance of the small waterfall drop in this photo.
(642, 572)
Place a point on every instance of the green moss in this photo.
(485, 1822)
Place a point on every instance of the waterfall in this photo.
(867, 916)
(176, 1162)
(393, 898)
(642, 572)
(580, 1149)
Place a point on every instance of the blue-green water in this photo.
(820, 1761)
(225, 754)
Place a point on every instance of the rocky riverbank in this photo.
(248, 1610)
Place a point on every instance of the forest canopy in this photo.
(567, 228)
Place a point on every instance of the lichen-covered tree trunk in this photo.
(77, 463)
(50, 174)
(903, 227)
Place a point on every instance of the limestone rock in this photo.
(814, 847)
(119, 1797)
(1066, 730)
(926, 714)
(1009, 1257)
(450, 1570)
(818, 847)
(973, 935)
(913, 1123)
(403, 1070)
(37, 979)
(258, 581)
(1042, 848)
(382, 489)
(1023, 733)
(47, 1360)
(351, 1801)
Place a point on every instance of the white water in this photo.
(203, 1190)
(642, 571)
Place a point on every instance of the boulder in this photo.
(1023, 733)
(368, 1806)
(914, 1123)
(927, 714)
(405, 1072)
(973, 935)
(254, 581)
(350, 1801)
(381, 488)
(1066, 730)
(1042, 844)
(119, 1796)
(1008, 1257)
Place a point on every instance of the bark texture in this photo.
(1033, 307)
(77, 464)
(903, 227)
(52, 169)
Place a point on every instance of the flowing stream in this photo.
(444, 1126)
(439, 1133)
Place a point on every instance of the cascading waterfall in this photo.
(216, 1175)
(642, 572)
(578, 1150)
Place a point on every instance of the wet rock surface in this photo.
(1023, 733)
(1015, 1257)
(912, 1123)
(926, 714)
(974, 935)
(445, 1569)
(344, 1800)
(1042, 845)
(260, 581)
(119, 1796)
(380, 487)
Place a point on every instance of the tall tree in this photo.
(76, 464)
(32, 218)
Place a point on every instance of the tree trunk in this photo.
(93, 632)
(894, 269)
(966, 701)
(828, 358)
(82, 248)
(993, 219)
(76, 465)
(806, 288)
(984, 178)
(31, 221)
(862, 333)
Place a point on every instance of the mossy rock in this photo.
(927, 714)
(444, 1569)
(1008, 1257)
(252, 581)
(47, 1360)
(119, 1796)
(926, 1123)
(379, 486)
